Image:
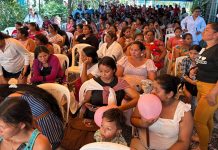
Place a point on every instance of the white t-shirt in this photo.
(93, 70)
(115, 50)
(14, 57)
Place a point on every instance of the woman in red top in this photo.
(33, 30)
(157, 49)
(177, 40)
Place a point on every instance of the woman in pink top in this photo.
(46, 67)
(177, 40)
(70, 27)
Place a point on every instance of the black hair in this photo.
(125, 22)
(197, 7)
(35, 25)
(90, 51)
(177, 28)
(40, 49)
(36, 92)
(145, 24)
(185, 35)
(24, 31)
(195, 47)
(114, 27)
(88, 26)
(150, 22)
(19, 23)
(112, 35)
(124, 30)
(214, 26)
(15, 110)
(4, 36)
(109, 62)
(151, 32)
(139, 34)
(54, 27)
(42, 38)
(115, 115)
(140, 45)
(168, 83)
(80, 26)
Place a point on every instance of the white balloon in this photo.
(104, 146)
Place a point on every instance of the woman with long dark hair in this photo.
(44, 108)
(16, 128)
(97, 96)
(46, 67)
(88, 37)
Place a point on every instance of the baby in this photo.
(111, 127)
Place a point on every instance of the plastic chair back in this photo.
(58, 91)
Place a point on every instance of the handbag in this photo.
(78, 132)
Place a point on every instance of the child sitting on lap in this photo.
(111, 127)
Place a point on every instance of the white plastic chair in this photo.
(76, 49)
(58, 91)
(9, 30)
(64, 61)
(167, 37)
(104, 146)
(169, 30)
(57, 49)
(178, 63)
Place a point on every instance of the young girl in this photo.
(111, 127)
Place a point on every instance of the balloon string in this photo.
(148, 137)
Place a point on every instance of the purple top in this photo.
(56, 70)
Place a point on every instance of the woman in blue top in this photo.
(44, 108)
(16, 129)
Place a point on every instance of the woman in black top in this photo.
(207, 85)
(98, 97)
(88, 37)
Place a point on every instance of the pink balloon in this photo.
(99, 113)
(149, 106)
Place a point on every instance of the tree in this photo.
(11, 12)
(53, 8)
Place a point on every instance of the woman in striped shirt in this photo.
(44, 107)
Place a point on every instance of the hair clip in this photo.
(13, 86)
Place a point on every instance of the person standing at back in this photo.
(194, 24)
(33, 16)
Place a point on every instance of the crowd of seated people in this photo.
(126, 46)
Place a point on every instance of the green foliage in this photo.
(53, 8)
(202, 4)
(57, 1)
(11, 12)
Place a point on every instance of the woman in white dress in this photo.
(173, 128)
(136, 67)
